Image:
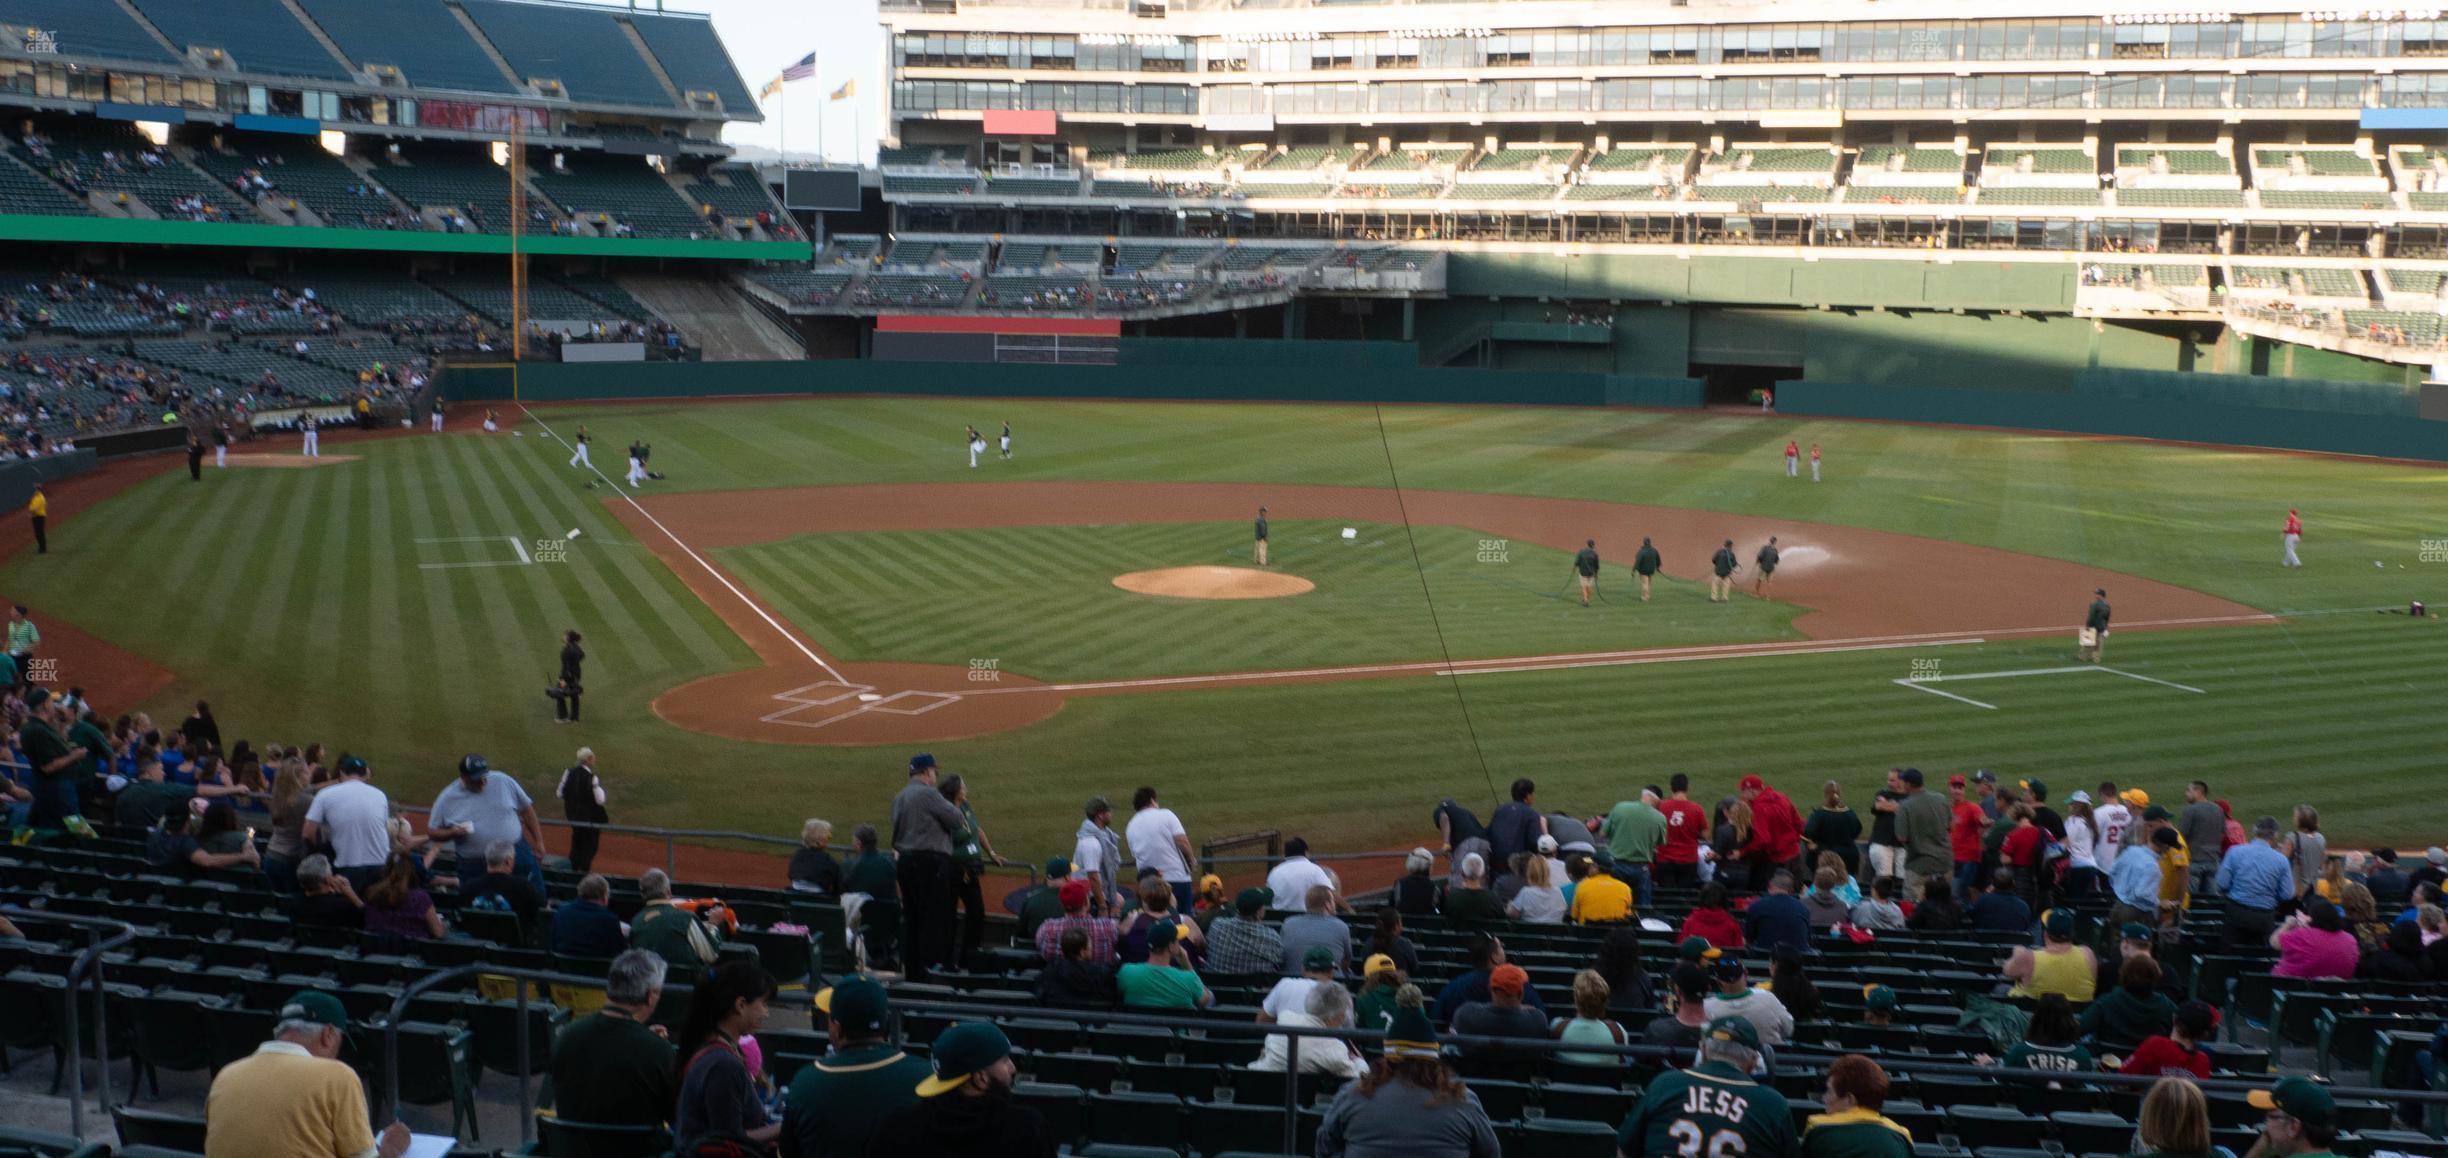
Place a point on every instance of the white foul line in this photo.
(1923, 686)
(513, 540)
(1922, 683)
(691, 552)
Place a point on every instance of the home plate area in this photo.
(830, 702)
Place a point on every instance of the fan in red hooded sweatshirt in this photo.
(1776, 828)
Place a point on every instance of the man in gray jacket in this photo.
(2204, 827)
(1922, 822)
(923, 825)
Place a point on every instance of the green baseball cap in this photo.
(1878, 997)
(2299, 1098)
(1697, 949)
(856, 1002)
(1319, 958)
(1253, 900)
(317, 1007)
(2058, 922)
(961, 1052)
(2135, 931)
(1737, 1030)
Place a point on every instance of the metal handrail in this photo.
(426, 984)
(91, 959)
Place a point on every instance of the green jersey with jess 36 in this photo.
(1711, 1111)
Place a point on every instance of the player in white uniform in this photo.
(580, 458)
(306, 425)
(977, 446)
(490, 424)
(1007, 442)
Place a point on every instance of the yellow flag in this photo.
(848, 89)
(772, 88)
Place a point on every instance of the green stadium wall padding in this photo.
(248, 235)
(1216, 380)
(2088, 413)
(17, 477)
(1912, 281)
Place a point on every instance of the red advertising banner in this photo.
(1019, 122)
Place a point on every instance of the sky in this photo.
(766, 35)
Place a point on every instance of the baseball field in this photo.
(818, 587)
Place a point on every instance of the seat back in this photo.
(152, 1128)
(561, 1138)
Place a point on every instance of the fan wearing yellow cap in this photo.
(838, 1100)
(2299, 1117)
(966, 1109)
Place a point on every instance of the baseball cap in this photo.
(2035, 787)
(920, 763)
(1318, 958)
(1698, 949)
(38, 697)
(2436, 855)
(1956, 781)
(1737, 1030)
(1546, 846)
(1057, 868)
(352, 766)
(2102, 592)
(473, 765)
(1984, 776)
(2058, 922)
(1728, 968)
(2299, 1098)
(1210, 883)
(856, 1002)
(2134, 797)
(1879, 997)
(1911, 776)
(1253, 900)
(2135, 931)
(963, 1050)
(1162, 934)
(1750, 783)
(1378, 963)
(2156, 812)
(2079, 797)
(1508, 979)
(316, 1007)
(1073, 894)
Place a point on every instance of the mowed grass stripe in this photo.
(326, 585)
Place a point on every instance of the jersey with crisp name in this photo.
(1709, 1112)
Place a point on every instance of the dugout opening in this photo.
(1738, 385)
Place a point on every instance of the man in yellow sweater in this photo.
(293, 1098)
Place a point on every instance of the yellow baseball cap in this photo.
(1376, 964)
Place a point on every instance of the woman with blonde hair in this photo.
(1539, 902)
(1589, 1024)
(2175, 1121)
(1846, 886)
(291, 797)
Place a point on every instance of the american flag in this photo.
(805, 69)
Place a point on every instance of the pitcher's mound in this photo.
(1213, 583)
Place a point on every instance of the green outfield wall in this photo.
(1921, 283)
(249, 235)
(2088, 412)
(1192, 369)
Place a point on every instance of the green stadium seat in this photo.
(561, 1138)
(1062, 1105)
(1136, 1119)
(150, 1128)
(1565, 1138)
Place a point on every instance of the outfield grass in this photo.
(1041, 599)
(293, 600)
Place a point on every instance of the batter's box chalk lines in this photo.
(1923, 683)
(827, 693)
